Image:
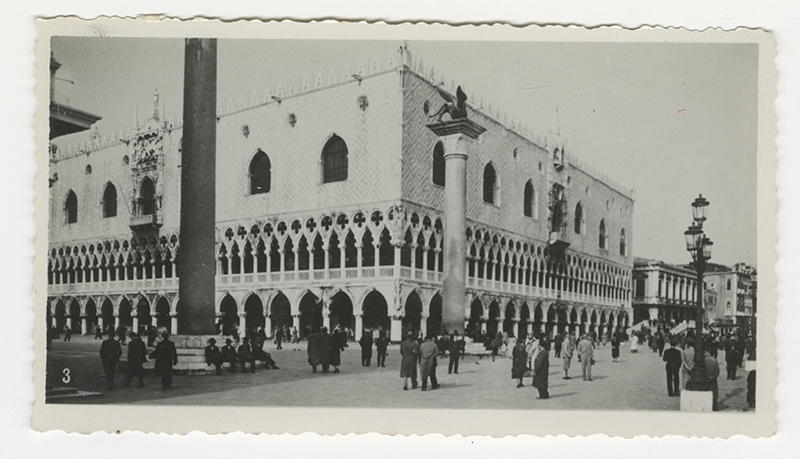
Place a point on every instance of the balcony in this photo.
(558, 240)
(146, 221)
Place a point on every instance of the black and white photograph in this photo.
(536, 224)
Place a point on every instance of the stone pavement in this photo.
(637, 382)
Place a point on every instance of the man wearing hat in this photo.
(214, 355)
(137, 355)
(229, 354)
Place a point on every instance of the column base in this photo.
(697, 401)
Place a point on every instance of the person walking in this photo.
(519, 362)
(712, 373)
(409, 352)
(660, 343)
(541, 369)
(279, 338)
(247, 355)
(67, 334)
(673, 359)
(313, 351)
(456, 348)
(137, 356)
(687, 363)
(586, 353)
(381, 344)
(213, 355)
(731, 359)
(98, 332)
(110, 352)
(325, 344)
(566, 355)
(427, 360)
(634, 344)
(165, 356)
(615, 338)
(558, 342)
(366, 348)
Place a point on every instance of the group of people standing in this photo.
(164, 354)
(416, 352)
(325, 349)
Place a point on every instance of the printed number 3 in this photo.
(67, 378)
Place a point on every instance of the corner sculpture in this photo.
(457, 109)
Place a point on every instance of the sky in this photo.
(670, 120)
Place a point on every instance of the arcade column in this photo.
(457, 137)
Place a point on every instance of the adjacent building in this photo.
(330, 211)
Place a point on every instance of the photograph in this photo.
(532, 223)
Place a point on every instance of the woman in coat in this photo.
(409, 350)
(428, 351)
(519, 363)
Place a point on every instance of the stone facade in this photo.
(664, 295)
(365, 251)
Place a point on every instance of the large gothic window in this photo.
(529, 200)
(110, 201)
(490, 185)
(260, 173)
(147, 197)
(71, 207)
(578, 218)
(603, 238)
(623, 243)
(438, 164)
(334, 160)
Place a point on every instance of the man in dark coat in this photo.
(67, 333)
(228, 353)
(98, 332)
(558, 341)
(165, 356)
(428, 351)
(660, 343)
(214, 355)
(325, 344)
(409, 351)
(279, 338)
(615, 347)
(673, 367)
(366, 348)
(137, 355)
(731, 358)
(381, 344)
(246, 355)
(541, 368)
(519, 361)
(456, 350)
(313, 350)
(110, 352)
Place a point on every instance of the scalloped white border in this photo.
(83, 418)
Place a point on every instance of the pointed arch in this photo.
(491, 185)
(71, 207)
(437, 173)
(146, 202)
(260, 173)
(529, 201)
(334, 160)
(602, 241)
(109, 203)
(579, 223)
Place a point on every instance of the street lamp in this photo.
(699, 246)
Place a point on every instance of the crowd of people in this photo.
(679, 358)
(164, 354)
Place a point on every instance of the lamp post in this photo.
(699, 246)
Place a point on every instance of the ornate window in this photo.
(71, 207)
(603, 237)
(623, 244)
(260, 172)
(334, 160)
(580, 223)
(491, 186)
(529, 207)
(146, 203)
(109, 203)
(438, 164)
